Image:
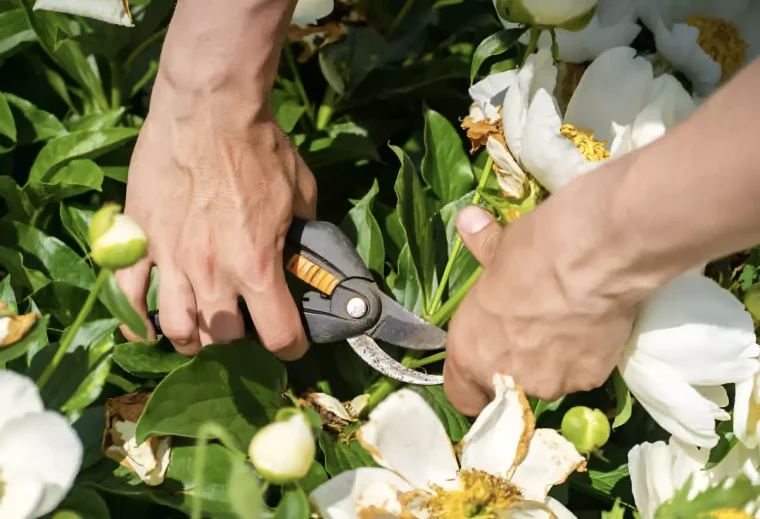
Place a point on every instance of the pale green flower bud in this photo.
(284, 450)
(587, 429)
(571, 15)
(752, 301)
(116, 240)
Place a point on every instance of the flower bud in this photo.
(116, 240)
(284, 450)
(587, 429)
(752, 300)
(571, 15)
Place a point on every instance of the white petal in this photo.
(697, 328)
(528, 510)
(740, 460)
(556, 12)
(716, 394)
(667, 104)
(332, 404)
(550, 460)
(309, 11)
(550, 157)
(673, 404)
(688, 460)
(42, 446)
(499, 439)
(18, 396)
(748, 24)
(538, 73)
(637, 459)
(21, 497)
(382, 499)
(558, 509)
(611, 90)
(337, 498)
(357, 405)
(405, 435)
(747, 411)
(613, 25)
(489, 92)
(510, 176)
(109, 11)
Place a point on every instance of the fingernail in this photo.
(472, 219)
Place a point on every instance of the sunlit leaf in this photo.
(494, 45)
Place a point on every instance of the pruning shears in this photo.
(348, 304)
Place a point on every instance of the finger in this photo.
(479, 232)
(176, 304)
(459, 383)
(219, 319)
(305, 194)
(134, 282)
(274, 312)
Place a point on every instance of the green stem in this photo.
(555, 46)
(71, 332)
(458, 243)
(532, 44)
(400, 16)
(444, 313)
(326, 109)
(427, 360)
(143, 45)
(297, 80)
(115, 69)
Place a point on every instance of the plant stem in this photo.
(532, 44)
(447, 309)
(143, 45)
(427, 360)
(71, 332)
(115, 69)
(325, 110)
(297, 80)
(400, 16)
(458, 243)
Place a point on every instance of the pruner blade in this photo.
(373, 355)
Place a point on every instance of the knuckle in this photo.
(280, 339)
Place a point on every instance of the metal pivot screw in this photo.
(356, 307)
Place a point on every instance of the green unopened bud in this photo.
(587, 429)
(116, 240)
(571, 15)
(284, 450)
(752, 301)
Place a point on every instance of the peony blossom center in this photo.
(591, 148)
(722, 41)
(482, 495)
(727, 513)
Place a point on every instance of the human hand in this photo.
(215, 185)
(553, 307)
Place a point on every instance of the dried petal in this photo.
(14, 327)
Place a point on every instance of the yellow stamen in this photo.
(481, 496)
(727, 513)
(722, 41)
(584, 140)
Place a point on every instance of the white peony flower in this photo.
(747, 411)
(40, 454)
(109, 11)
(658, 470)
(690, 337)
(309, 11)
(547, 12)
(613, 25)
(707, 41)
(504, 463)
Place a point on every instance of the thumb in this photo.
(479, 232)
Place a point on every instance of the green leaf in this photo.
(77, 177)
(453, 421)
(445, 166)
(727, 440)
(76, 221)
(606, 481)
(7, 124)
(543, 406)
(14, 30)
(287, 109)
(494, 45)
(15, 198)
(293, 505)
(49, 254)
(84, 503)
(89, 427)
(727, 494)
(339, 148)
(244, 491)
(363, 230)
(342, 455)
(405, 285)
(33, 124)
(415, 214)
(120, 307)
(237, 385)
(346, 63)
(148, 359)
(63, 301)
(7, 296)
(97, 121)
(84, 144)
(465, 263)
(623, 400)
(36, 338)
(21, 276)
(315, 477)
(617, 511)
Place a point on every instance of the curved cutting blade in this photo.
(373, 355)
(400, 327)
